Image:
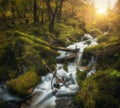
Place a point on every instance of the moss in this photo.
(81, 76)
(107, 53)
(67, 34)
(21, 52)
(95, 32)
(31, 37)
(24, 83)
(100, 90)
(65, 67)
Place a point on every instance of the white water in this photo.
(5, 96)
(47, 96)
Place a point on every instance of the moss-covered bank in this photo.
(23, 56)
(101, 90)
(24, 84)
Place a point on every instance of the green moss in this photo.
(67, 34)
(65, 67)
(100, 90)
(24, 83)
(21, 49)
(95, 32)
(81, 76)
(107, 53)
(31, 37)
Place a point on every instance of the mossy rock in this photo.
(24, 84)
(23, 50)
(107, 53)
(101, 90)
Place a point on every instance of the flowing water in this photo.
(5, 96)
(65, 84)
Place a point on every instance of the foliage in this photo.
(24, 84)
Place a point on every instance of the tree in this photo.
(12, 6)
(53, 7)
(3, 10)
(35, 11)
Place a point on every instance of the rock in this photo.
(65, 102)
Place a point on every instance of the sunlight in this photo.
(101, 11)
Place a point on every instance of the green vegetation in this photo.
(21, 51)
(22, 59)
(95, 32)
(24, 84)
(30, 31)
(106, 52)
(67, 34)
(100, 90)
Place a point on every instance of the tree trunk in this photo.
(59, 15)
(42, 16)
(13, 14)
(49, 10)
(35, 11)
(51, 25)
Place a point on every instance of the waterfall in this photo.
(5, 96)
(47, 96)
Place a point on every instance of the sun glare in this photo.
(101, 11)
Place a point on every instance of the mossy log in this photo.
(67, 58)
(55, 76)
(67, 49)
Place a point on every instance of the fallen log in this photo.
(67, 58)
(67, 49)
(55, 76)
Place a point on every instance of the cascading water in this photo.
(64, 84)
(46, 97)
(5, 96)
